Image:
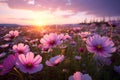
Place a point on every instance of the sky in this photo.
(44, 12)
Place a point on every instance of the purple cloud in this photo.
(95, 7)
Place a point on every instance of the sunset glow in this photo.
(39, 12)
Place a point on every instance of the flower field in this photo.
(84, 52)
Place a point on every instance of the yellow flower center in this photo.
(29, 65)
(99, 46)
(52, 42)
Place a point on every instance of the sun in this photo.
(39, 23)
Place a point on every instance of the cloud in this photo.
(94, 7)
(26, 19)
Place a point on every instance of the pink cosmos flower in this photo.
(51, 40)
(11, 35)
(81, 49)
(7, 65)
(101, 46)
(55, 60)
(85, 35)
(45, 49)
(79, 76)
(64, 37)
(4, 45)
(2, 54)
(61, 37)
(77, 29)
(21, 48)
(113, 23)
(93, 25)
(73, 43)
(67, 37)
(28, 63)
(34, 41)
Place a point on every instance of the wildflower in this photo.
(80, 76)
(93, 25)
(67, 37)
(28, 64)
(81, 49)
(73, 43)
(77, 57)
(45, 49)
(21, 48)
(113, 23)
(51, 40)
(4, 46)
(85, 35)
(11, 35)
(8, 64)
(61, 37)
(2, 54)
(34, 41)
(101, 46)
(55, 60)
(77, 29)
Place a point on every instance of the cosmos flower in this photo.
(7, 65)
(51, 40)
(79, 76)
(34, 41)
(45, 49)
(73, 43)
(93, 25)
(28, 63)
(4, 46)
(11, 35)
(55, 60)
(77, 57)
(21, 48)
(77, 29)
(61, 37)
(113, 23)
(64, 37)
(101, 46)
(81, 49)
(67, 37)
(2, 54)
(84, 35)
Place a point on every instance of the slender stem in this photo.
(20, 75)
(30, 77)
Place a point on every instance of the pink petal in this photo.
(29, 57)
(49, 63)
(37, 59)
(22, 58)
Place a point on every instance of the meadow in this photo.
(85, 52)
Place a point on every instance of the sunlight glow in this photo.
(39, 23)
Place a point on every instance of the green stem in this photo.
(20, 75)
